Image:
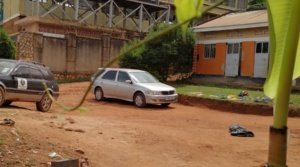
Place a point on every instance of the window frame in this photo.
(115, 75)
(34, 76)
(211, 48)
(117, 79)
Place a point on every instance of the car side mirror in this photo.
(128, 81)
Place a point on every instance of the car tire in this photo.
(2, 96)
(165, 104)
(139, 100)
(98, 94)
(7, 103)
(45, 104)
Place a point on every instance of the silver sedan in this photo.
(132, 85)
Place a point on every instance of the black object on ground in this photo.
(237, 130)
(7, 122)
(243, 93)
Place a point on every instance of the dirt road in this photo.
(117, 134)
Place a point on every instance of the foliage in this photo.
(186, 10)
(133, 58)
(284, 28)
(257, 4)
(7, 46)
(162, 57)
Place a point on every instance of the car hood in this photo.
(156, 86)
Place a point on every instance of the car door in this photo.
(20, 91)
(124, 87)
(35, 85)
(108, 83)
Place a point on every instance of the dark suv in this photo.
(23, 81)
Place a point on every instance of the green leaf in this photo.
(187, 9)
(297, 62)
(283, 20)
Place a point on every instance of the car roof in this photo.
(35, 64)
(124, 69)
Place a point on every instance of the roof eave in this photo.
(231, 27)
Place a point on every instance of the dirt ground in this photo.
(117, 134)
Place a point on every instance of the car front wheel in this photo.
(98, 94)
(139, 99)
(45, 104)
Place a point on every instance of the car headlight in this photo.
(150, 92)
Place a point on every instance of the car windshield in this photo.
(6, 66)
(143, 77)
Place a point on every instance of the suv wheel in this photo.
(139, 99)
(45, 104)
(165, 104)
(7, 103)
(2, 96)
(98, 94)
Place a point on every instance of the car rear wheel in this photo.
(2, 96)
(45, 104)
(139, 99)
(98, 94)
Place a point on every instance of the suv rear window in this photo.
(36, 74)
(47, 74)
(5, 67)
(110, 75)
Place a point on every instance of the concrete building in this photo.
(234, 45)
(233, 50)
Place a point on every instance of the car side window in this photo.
(23, 72)
(36, 74)
(123, 76)
(110, 75)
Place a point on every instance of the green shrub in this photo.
(7, 46)
(168, 55)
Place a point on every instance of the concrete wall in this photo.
(69, 55)
(54, 53)
(88, 54)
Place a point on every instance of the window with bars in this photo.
(209, 51)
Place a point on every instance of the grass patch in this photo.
(232, 94)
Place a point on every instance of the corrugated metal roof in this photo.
(233, 21)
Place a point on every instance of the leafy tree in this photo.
(133, 58)
(168, 55)
(7, 46)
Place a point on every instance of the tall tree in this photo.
(168, 55)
